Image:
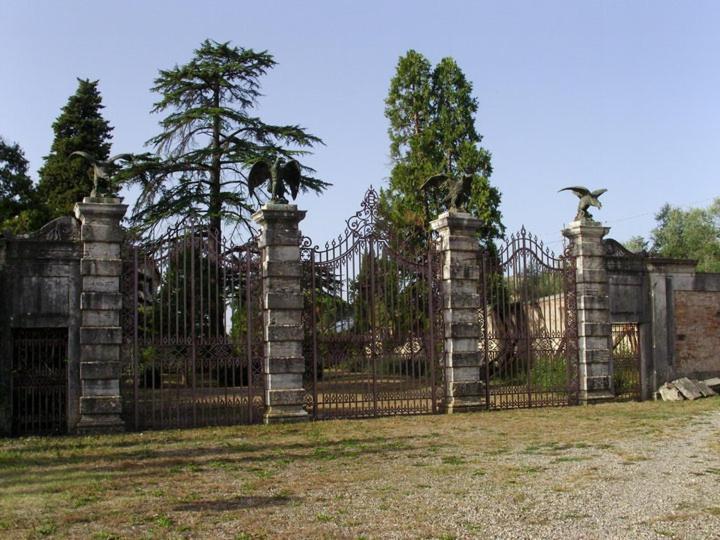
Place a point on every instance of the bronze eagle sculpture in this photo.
(281, 174)
(458, 189)
(587, 199)
(99, 169)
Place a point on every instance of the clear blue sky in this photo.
(623, 95)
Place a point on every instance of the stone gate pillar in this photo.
(593, 310)
(100, 304)
(461, 304)
(284, 364)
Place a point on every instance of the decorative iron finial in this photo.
(101, 170)
(281, 174)
(587, 199)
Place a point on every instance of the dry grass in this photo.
(351, 479)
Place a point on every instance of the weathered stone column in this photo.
(284, 364)
(593, 310)
(461, 304)
(100, 305)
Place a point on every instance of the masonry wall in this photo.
(697, 333)
(677, 311)
(40, 288)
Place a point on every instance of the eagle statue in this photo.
(587, 199)
(458, 189)
(281, 174)
(101, 170)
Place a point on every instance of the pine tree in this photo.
(17, 194)
(64, 180)
(432, 130)
(209, 138)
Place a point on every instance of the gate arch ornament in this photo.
(371, 321)
(529, 348)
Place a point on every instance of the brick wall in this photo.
(697, 333)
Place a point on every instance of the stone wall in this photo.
(676, 310)
(40, 288)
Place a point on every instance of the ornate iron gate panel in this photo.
(39, 381)
(372, 331)
(626, 361)
(529, 329)
(192, 332)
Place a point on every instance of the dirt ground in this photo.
(625, 470)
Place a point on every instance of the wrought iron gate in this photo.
(371, 343)
(39, 381)
(529, 329)
(192, 332)
(626, 361)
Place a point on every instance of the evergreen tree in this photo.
(209, 137)
(64, 180)
(17, 194)
(432, 130)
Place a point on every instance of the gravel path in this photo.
(631, 489)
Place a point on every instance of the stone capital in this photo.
(585, 228)
(276, 213)
(456, 224)
(101, 209)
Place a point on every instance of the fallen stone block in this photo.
(705, 390)
(687, 388)
(668, 392)
(713, 383)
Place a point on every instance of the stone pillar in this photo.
(284, 364)
(593, 310)
(461, 303)
(100, 305)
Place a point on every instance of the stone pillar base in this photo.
(456, 405)
(277, 415)
(97, 425)
(595, 397)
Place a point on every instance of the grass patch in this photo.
(264, 481)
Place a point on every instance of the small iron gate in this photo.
(528, 321)
(626, 361)
(192, 346)
(39, 381)
(372, 334)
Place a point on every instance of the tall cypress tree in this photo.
(64, 180)
(432, 130)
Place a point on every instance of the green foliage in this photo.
(209, 136)
(689, 234)
(64, 180)
(18, 199)
(549, 373)
(432, 130)
(636, 244)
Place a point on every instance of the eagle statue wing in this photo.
(290, 174)
(434, 181)
(580, 191)
(87, 156)
(598, 192)
(118, 157)
(259, 173)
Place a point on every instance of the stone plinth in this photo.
(100, 305)
(284, 364)
(460, 276)
(593, 310)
